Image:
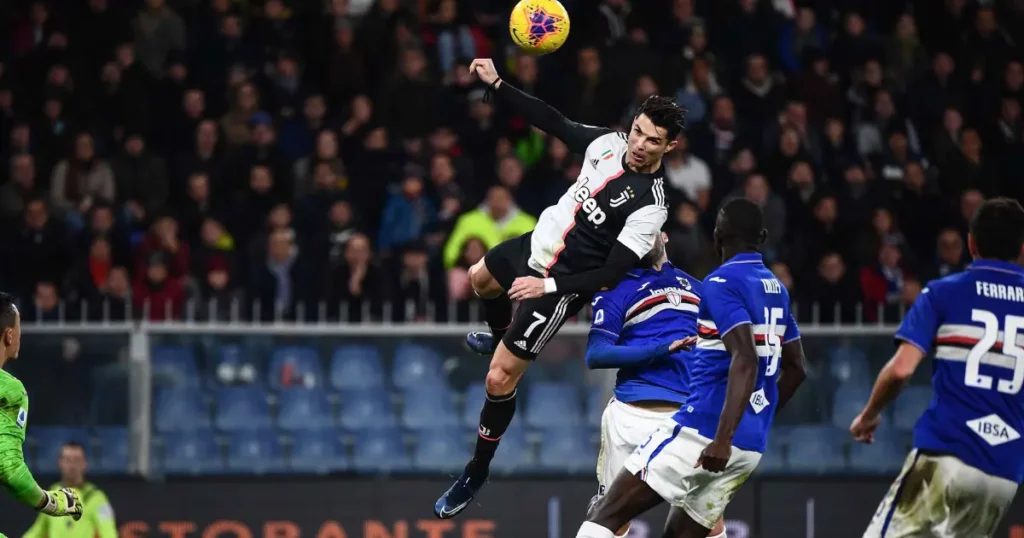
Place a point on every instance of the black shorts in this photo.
(535, 321)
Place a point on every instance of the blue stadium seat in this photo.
(849, 365)
(304, 364)
(773, 461)
(191, 453)
(318, 452)
(109, 405)
(816, 449)
(884, 456)
(566, 449)
(303, 409)
(241, 408)
(257, 452)
(417, 366)
(912, 402)
(476, 393)
(514, 454)
(230, 365)
(174, 365)
(441, 450)
(180, 409)
(551, 404)
(596, 403)
(380, 450)
(849, 400)
(356, 367)
(429, 407)
(366, 409)
(49, 440)
(114, 451)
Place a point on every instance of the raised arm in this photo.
(536, 112)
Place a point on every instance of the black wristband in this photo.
(492, 88)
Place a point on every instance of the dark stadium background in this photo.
(240, 229)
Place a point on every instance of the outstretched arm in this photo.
(536, 112)
(15, 476)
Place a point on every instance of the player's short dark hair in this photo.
(74, 444)
(664, 113)
(8, 310)
(741, 221)
(998, 229)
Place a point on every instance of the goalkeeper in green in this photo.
(14, 474)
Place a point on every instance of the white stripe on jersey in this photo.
(660, 293)
(718, 345)
(974, 332)
(708, 324)
(959, 354)
(647, 314)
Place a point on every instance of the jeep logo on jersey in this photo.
(993, 430)
(589, 205)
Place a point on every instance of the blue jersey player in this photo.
(645, 327)
(746, 338)
(968, 455)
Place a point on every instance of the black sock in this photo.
(494, 420)
(498, 315)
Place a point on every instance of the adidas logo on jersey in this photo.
(521, 344)
(993, 430)
(594, 162)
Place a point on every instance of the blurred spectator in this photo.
(688, 243)
(354, 283)
(326, 151)
(906, 58)
(818, 87)
(951, 258)
(756, 188)
(235, 123)
(832, 294)
(19, 188)
(968, 168)
(758, 97)
(141, 179)
(417, 285)
(278, 284)
(158, 31)
(157, 293)
(93, 271)
(799, 36)
(494, 221)
(39, 250)
(689, 174)
(45, 305)
(407, 214)
(162, 238)
(114, 302)
(459, 287)
(882, 284)
(80, 181)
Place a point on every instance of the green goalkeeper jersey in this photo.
(14, 474)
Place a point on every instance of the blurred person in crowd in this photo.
(262, 150)
(945, 141)
(818, 86)
(798, 37)
(801, 188)
(510, 174)
(873, 130)
(831, 293)
(228, 48)
(758, 98)
(784, 274)
(141, 178)
(855, 44)
(217, 243)
(340, 226)
(784, 157)
(970, 202)
(217, 292)
(905, 56)
(755, 188)
(919, 209)
(34, 30)
(354, 283)
(495, 220)
(882, 283)
(410, 98)
(275, 28)
(284, 99)
(156, 292)
(17, 140)
(19, 188)
(102, 223)
(459, 286)
(700, 88)
(715, 142)
(969, 169)
(592, 95)
(183, 125)
(415, 284)
(97, 516)
(688, 174)
(326, 151)
(162, 238)
(951, 256)
(454, 38)
(280, 217)
(346, 72)
(40, 247)
(889, 166)
(688, 245)
(280, 283)
(204, 158)
(93, 271)
(114, 301)
(407, 214)
(937, 91)
(824, 233)
(884, 229)
(444, 179)
(481, 132)
(81, 180)
(158, 31)
(988, 45)
(857, 196)
(547, 180)
(252, 205)
(198, 206)
(794, 116)
(644, 87)
(170, 88)
(45, 305)
(236, 123)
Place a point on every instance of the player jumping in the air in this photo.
(14, 474)
(645, 327)
(746, 336)
(968, 458)
(598, 230)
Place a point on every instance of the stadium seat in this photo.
(230, 365)
(303, 409)
(429, 407)
(49, 440)
(849, 365)
(884, 456)
(514, 454)
(241, 408)
(191, 453)
(380, 450)
(256, 452)
(180, 409)
(366, 409)
(909, 406)
(114, 452)
(174, 365)
(849, 401)
(356, 367)
(773, 461)
(566, 449)
(596, 403)
(440, 450)
(318, 452)
(109, 405)
(551, 404)
(815, 449)
(295, 365)
(417, 366)
(476, 393)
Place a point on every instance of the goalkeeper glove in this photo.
(63, 502)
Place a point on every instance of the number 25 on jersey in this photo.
(1012, 325)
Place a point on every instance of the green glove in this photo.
(62, 502)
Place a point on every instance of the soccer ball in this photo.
(539, 26)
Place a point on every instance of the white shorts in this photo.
(666, 462)
(943, 497)
(623, 428)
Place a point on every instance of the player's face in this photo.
(647, 143)
(72, 465)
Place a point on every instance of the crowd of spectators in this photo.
(301, 155)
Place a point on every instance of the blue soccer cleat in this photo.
(458, 497)
(481, 342)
